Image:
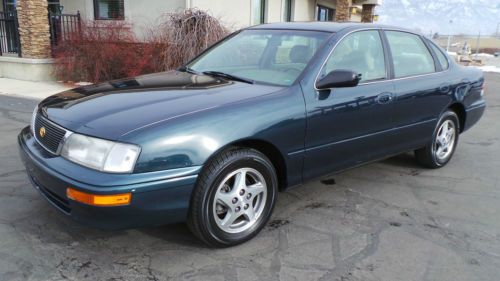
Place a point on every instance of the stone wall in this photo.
(34, 28)
(342, 10)
(367, 13)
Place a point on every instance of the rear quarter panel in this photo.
(472, 82)
(470, 95)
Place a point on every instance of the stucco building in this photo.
(234, 13)
(26, 29)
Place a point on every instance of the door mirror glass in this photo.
(339, 78)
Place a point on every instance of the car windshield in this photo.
(267, 56)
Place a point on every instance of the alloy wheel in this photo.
(240, 200)
(445, 140)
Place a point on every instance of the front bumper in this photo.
(157, 197)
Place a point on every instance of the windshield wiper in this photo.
(228, 76)
(187, 69)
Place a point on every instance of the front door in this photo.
(347, 126)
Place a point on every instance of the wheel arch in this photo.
(264, 147)
(459, 110)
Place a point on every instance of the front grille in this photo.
(53, 134)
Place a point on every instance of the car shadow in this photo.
(405, 160)
(51, 224)
(174, 233)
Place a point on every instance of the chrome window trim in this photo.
(67, 134)
(405, 77)
(386, 79)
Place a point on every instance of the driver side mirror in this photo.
(339, 78)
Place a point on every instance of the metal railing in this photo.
(63, 26)
(9, 34)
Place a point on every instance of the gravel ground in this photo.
(390, 220)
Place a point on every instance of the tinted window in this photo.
(271, 56)
(361, 52)
(443, 61)
(410, 55)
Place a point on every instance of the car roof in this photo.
(332, 27)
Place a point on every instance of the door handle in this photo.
(384, 98)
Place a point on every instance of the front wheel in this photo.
(233, 198)
(444, 141)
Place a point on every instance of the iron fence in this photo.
(63, 27)
(9, 34)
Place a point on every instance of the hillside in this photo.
(468, 16)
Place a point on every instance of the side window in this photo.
(410, 55)
(361, 52)
(443, 61)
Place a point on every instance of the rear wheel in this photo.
(439, 151)
(233, 198)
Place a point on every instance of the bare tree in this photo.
(182, 35)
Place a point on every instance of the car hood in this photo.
(112, 109)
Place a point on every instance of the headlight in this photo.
(99, 154)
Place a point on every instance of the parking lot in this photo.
(391, 220)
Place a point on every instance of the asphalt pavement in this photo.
(390, 220)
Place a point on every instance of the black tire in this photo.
(427, 155)
(201, 219)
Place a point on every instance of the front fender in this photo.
(190, 140)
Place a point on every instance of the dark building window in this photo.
(54, 7)
(287, 10)
(325, 14)
(10, 5)
(109, 10)
(259, 11)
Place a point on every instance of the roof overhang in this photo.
(365, 2)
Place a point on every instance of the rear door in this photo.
(421, 90)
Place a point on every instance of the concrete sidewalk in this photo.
(33, 90)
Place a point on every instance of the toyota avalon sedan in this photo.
(267, 108)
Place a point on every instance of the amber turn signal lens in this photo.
(99, 200)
